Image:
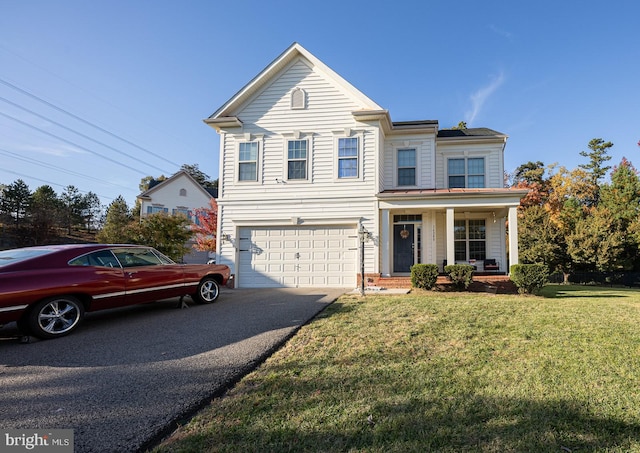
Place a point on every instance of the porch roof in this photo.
(438, 193)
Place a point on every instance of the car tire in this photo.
(208, 291)
(55, 317)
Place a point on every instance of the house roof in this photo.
(470, 132)
(147, 193)
(224, 116)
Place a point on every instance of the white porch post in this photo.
(451, 249)
(513, 236)
(385, 244)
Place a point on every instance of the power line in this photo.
(52, 183)
(55, 167)
(80, 134)
(66, 112)
(71, 143)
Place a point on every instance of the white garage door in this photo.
(319, 256)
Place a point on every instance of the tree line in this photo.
(574, 220)
(43, 216)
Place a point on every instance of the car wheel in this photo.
(55, 317)
(208, 291)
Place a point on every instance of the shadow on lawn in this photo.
(586, 292)
(454, 424)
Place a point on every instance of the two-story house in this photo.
(307, 161)
(178, 194)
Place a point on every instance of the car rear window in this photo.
(17, 255)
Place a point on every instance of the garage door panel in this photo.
(297, 256)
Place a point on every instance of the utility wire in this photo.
(55, 167)
(80, 134)
(33, 96)
(52, 183)
(71, 143)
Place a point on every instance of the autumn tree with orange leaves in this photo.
(206, 227)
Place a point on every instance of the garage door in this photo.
(319, 256)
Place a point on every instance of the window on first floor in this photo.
(348, 157)
(297, 159)
(406, 167)
(470, 237)
(248, 161)
(466, 173)
(156, 209)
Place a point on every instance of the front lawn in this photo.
(445, 372)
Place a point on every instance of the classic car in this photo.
(47, 289)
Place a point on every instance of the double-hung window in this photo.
(406, 167)
(347, 158)
(470, 239)
(248, 161)
(467, 173)
(157, 209)
(297, 159)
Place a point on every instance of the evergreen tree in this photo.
(117, 225)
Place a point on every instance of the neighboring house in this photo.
(179, 194)
(307, 160)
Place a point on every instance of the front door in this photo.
(403, 247)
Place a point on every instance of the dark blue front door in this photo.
(403, 240)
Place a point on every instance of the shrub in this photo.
(461, 275)
(529, 278)
(424, 276)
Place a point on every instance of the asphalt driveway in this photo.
(124, 377)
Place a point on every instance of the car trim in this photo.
(15, 307)
(142, 290)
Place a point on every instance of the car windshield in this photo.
(16, 255)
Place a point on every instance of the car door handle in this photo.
(130, 274)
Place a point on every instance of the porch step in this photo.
(496, 284)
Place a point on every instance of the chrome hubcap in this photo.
(58, 317)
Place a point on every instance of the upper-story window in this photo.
(183, 211)
(348, 158)
(183, 192)
(248, 161)
(297, 157)
(467, 173)
(407, 167)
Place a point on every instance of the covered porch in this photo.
(446, 226)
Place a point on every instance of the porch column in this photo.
(451, 249)
(513, 237)
(385, 241)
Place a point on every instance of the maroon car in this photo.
(48, 289)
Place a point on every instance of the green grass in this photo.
(448, 372)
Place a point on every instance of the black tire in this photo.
(208, 291)
(55, 317)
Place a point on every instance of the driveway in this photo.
(124, 378)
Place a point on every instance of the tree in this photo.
(91, 210)
(206, 227)
(201, 177)
(462, 125)
(596, 170)
(167, 233)
(73, 205)
(596, 244)
(45, 214)
(116, 229)
(16, 199)
(531, 176)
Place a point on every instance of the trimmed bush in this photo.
(529, 278)
(461, 275)
(424, 276)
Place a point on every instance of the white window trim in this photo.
(258, 140)
(295, 106)
(359, 156)
(398, 147)
(297, 135)
(466, 156)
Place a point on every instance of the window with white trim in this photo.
(347, 157)
(406, 162)
(466, 173)
(156, 209)
(297, 157)
(470, 238)
(248, 161)
(298, 99)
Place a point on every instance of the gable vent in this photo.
(298, 99)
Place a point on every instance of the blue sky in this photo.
(551, 75)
